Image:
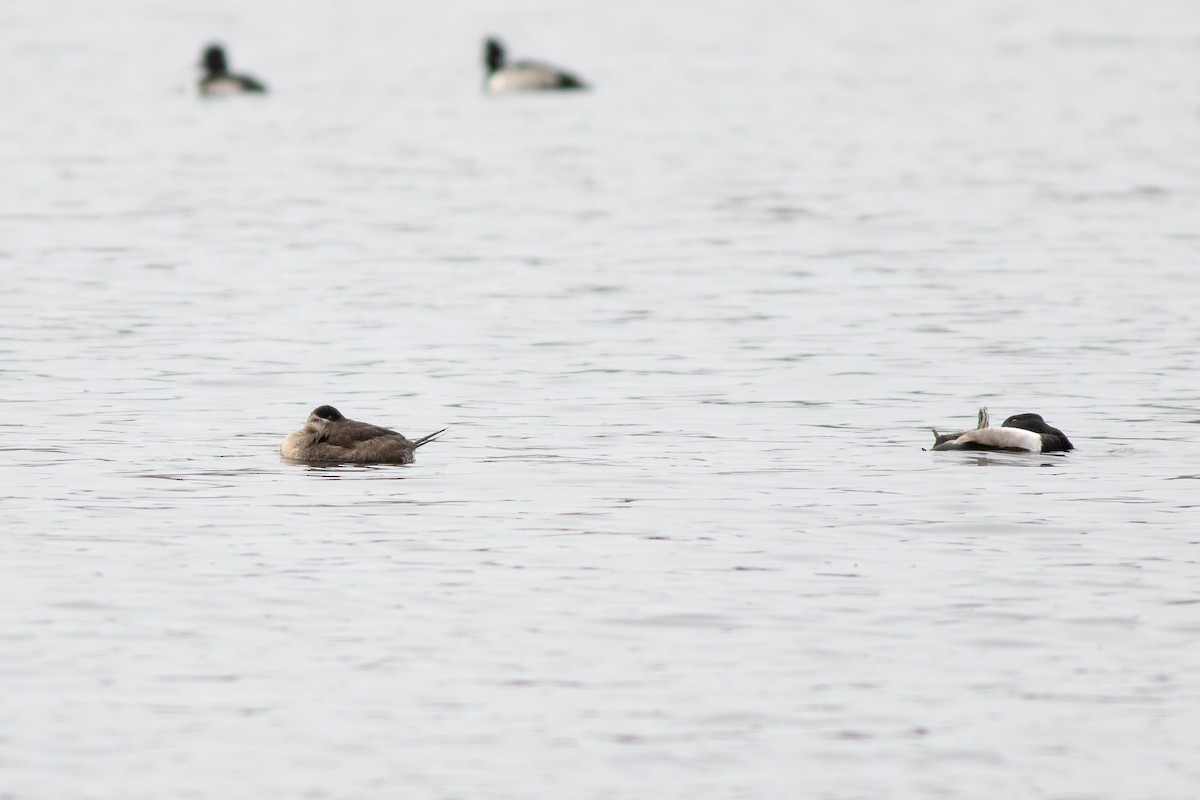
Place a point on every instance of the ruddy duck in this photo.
(219, 80)
(523, 76)
(1020, 432)
(328, 437)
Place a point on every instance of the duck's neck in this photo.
(494, 56)
(214, 62)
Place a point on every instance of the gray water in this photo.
(688, 331)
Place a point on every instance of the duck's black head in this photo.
(1052, 438)
(493, 55)
(328, 413)
(214, 60)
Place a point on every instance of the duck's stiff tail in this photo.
(429, 438)
(943, 441)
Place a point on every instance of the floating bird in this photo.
(329, 437)
(1020, 432)
(523, 76)
(219, 80)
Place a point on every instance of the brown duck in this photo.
(328, 437)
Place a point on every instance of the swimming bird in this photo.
(329, 437)
(219, 80)
(523, 76)
(1020, 432)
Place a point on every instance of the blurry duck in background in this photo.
(328, 437)
(219, 80)
(1020, 432)
(523, 76)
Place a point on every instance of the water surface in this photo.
(689, 332)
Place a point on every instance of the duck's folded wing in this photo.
(249, 84)
(349, 433)
(546, 75)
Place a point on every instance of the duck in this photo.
(1025, 432)
(328, 437)
(523, 76)
(219, 80)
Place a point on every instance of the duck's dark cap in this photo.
(329, 413)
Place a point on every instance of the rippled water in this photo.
(689, 332)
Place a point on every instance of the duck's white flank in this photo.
(523, 79)
(1004, 438)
